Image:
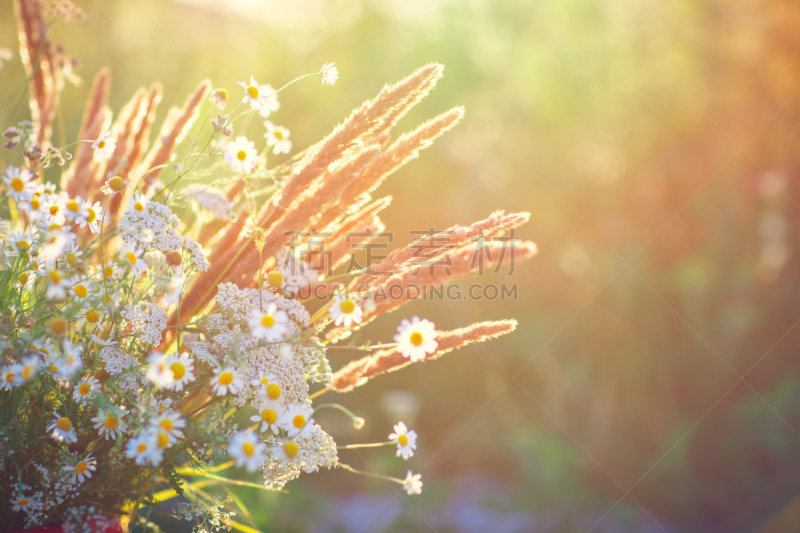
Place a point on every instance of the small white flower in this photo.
(80, 288)
(271, 388)
(93, 217)
(23, 503)
(57, 240)
(10, 377)
(416, 338)
(70, 359)
(254, 94)
(406, 440)
(286, 452)
(278, 138)
(242, 155)
(170, 423)
(91, 316)
(29, 368)
(62, 429)
(21, 241)
(247, 449)
(85, 389)
(345, 311)
(81, 470)
(226, 380)
(269, 325)
(296, 421)
(268, 413)
(104, 146)
(110, 423)
(143, 448)
(159, 372)
(20, 186)
(182, 367)
(138, 203)
(329, 73)
(56, 284)
(413, 483)
(75, 208)
(133, 256)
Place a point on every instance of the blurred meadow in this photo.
(653, 382)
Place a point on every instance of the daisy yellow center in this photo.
(35, 203)
(269, 416)
(116, 183)
(71, 258)
(58, 326)
(226, 378)
(279, 135)
(81, 291)
(403, 440)
(52, 369)
(54, 227)
(248, 449)
(92, 216)
(64, 424)
(23, 278)
(273, 391)
(54, 210)
(101, 145)
(107, 271)
(138, 206)
(92, 316)
(130, 256)
(267, 321)
(10, 376)
(290, 448)
(347, 306)
(163, 440)
(178, 370)
(81, 468)
(252, 91)
(167, 424)
(141, 448)
(17, 184)
(26, 372)
(275, 278)
(55, 276)
(85, 389)
(299, 421)
(111, 421)
(73, 206)
(23, 245)
(241, 155)
(416, 338)
(22, 502)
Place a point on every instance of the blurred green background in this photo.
(653, 382)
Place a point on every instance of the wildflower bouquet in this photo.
(142, 355)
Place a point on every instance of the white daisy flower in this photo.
(80, 288)
(287, 452)
(85, 389)
(270, 103)
(413, 483)
(241, 155)
(62, 429)
(57, 240)
(271, 387)
(182, 367)
(20, 186)
(296, 421)
(110, 422)
(75, 208)
(70, 359)
(278, 138)
(226, 380)
(269, 325)
(91, 316)
(138, 203)
(104, 146)
(329, 73)
(53, 207)
(345, 311)
(56, 284)
(416, 338)
(72, 255)
(133, 256)
(268, 413)
(29, 368)
(159, 372)
(23, 503)
(169, 423)
(81, 470)
(10, 377)
(406, 440)
(254, 94)
(247, 449)
(41, 346)
(52, 364)
(21, 241)
(143, 448)
(93, 217)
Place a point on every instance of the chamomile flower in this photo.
(247, 449)
(416, 338)
(159, 372)
(62, 429)
(87, 387)
(133, 256)
(138, 203)
(109, 422)
(241, 155)
(75, 208)
(93, 217)
(170, 423)
(182, 367)
(22, 242)
(104, 146)
(413, 483)
(70, 359)
(57, 240)
(271, 388)
(10, 377)
(57, 284)
(270, 103)
(278, 138)
(286, 452)
(296, 421)
(80, 288)
(226, 380)
(270, 324)
(20, 186)
(23, 503)
(254, 94)
(92, 317)
(329, 73)
(52, 364)
(41, 346)
(406, 440)
(268, 414)
(345, 311)
(29, 368)
(81, 470)
(143, 448)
